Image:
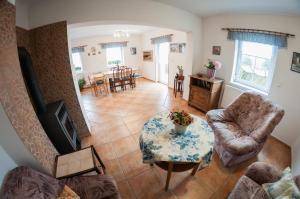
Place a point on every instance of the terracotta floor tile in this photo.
(106, 151)
(191, 189)
(132, 164)
(113, 168)
(125, 190)
(124, 146)
(146, 185)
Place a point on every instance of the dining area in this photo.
(119, 78)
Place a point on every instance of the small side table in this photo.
(79, 162)
(178, 85)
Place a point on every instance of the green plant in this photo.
(180, 67)
(81, 83)
(181, 118)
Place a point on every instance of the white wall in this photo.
(137, 12)
(6, 165)
(175, 59)
(97, 63)
(22, 19)
(296, 157)
(284, 89)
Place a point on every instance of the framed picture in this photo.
(147, 55)
(133, 50)
(177, 47)
(216, 50)
(296, 62)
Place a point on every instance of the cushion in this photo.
(284, 188)
(68, 193)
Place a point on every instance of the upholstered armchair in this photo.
(243, 127)
(258, 173)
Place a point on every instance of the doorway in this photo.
(162, 62)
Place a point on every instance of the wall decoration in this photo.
(93, 51)
(296, 62)
(177, 47)
(216, 50)
(147, 55)
(133, 50)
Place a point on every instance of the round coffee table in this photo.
(173, 151)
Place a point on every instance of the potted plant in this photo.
(211, 68)
(81, 83)
(181, 120)
(180, 70)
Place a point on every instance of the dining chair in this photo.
(116, 80)
(127, 77)
(100, 81)
(92, 84)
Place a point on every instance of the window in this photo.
(114, 56)
(255, 64)
(76, 57)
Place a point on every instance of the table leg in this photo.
(195, 169)
(170, 169)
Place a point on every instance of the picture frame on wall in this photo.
(295, 66)
(133, 50)
(148, 55)
(216, 50)
(177, 47)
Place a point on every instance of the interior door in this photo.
(163, 62)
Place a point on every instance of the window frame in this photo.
(81, 70)
(246, 84)
(122, 56)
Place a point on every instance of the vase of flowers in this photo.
(211, 68)
(180, 70)
(181, 120)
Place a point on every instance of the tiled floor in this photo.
(116, 120)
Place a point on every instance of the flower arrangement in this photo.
(211, 67)
(180, 70)
(215, 65)
(181, 118)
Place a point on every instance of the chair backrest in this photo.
(255, 114)
(127, 72)
(24, 182)
(91, 79)
(117, 72)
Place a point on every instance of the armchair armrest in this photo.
(262, 173)
(241, 145)
(217, 115)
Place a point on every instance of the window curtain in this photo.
(259, 37)
(113, 44)
(161, 39)
(79, 49)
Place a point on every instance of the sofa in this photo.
(26, 183)
(243, 127)
(258, 173)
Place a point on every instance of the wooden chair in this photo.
(101, 82)
(116, 80)
(127, 77)
(98, 82)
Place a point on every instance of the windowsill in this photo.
(245, 88)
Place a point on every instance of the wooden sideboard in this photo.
(204, 92)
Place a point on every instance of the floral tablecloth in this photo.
(160, 142)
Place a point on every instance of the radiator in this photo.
(230, 93)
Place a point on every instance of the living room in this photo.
(121, 125)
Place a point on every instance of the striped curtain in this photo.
(161, 39)
(259, 37)
(113, 44)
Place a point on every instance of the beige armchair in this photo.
(243, 127)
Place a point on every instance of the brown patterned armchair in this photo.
(243, 127)
(258, 173)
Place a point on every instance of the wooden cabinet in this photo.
(204, 92)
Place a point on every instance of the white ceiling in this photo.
(107, 30)
(217, 7)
